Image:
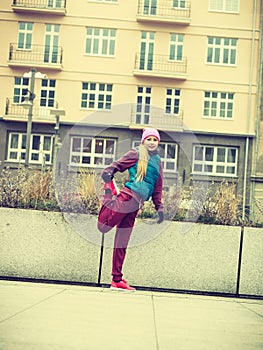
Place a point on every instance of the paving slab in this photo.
(65, 317)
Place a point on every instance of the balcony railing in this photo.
(57, 7)
(146, 115)
(37, 55)
(164, 11)
(17, 111)
(160, 66)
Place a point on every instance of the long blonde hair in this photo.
(142, 162)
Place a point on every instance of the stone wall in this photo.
(173, 255)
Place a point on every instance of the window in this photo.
(96, 96)
(91, 152)
(25, 36)
(215, 160)
(221, 50)
(176, 47)
(172, 101)
(218, 104)
(51, 52)
(147, 50)
(224, 5)
(21, 86)
(143, 106)
(55, 3)
(181, 4)
(40, 152)
(168, 153)
(47, 94)
(149, 7)
(100, 41)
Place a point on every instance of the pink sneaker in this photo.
(112, 187)
(122, 285)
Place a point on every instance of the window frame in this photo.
(92, 100)
(47, 93)
(218, 48)
(99, 40)
(25, 36)
(209, 104)
(21, 86)
(212, 6)
(174, 103)
(21, 148)
(213, 163)
(107, 158)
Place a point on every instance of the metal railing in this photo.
(16, 110)
(36, 54)
(146, 115)
(41, 4)
(165, 10)
(160, 64)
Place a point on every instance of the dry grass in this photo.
(81, 192)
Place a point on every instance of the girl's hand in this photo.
(107, 177)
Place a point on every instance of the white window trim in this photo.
(26, 32)
(100, 37)
(218, 100)
(173, 98)
(96, 92)
(91, 154)
(214, 163)
(221, 46)
(223, 10)
(21, 150)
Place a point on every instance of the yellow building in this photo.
(189, 68)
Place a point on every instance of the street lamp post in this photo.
(57, 143)
(30, 115)
(28, 104)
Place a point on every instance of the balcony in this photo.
(39, 56)
(164, 12)
(147, 116)
(160, 66)
(50, 7)
(15, 111)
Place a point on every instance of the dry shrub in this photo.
(172, 200)
(89, 190)
(223, 205)
(24, 188)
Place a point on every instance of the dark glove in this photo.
(161, 217)
(107, 177)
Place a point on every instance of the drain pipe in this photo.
(249, 110)
(259, 97)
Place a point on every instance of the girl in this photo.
(145, 181)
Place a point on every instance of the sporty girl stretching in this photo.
(145, 181)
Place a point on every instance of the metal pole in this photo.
(30, 115)
(56, 141)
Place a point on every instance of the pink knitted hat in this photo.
(150, 132)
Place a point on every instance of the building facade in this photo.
(190, 69)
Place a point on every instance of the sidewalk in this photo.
(60, 317)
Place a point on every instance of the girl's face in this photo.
(151, 143)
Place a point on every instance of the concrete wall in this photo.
(251, 281)
(180, 256)
(197, 258)
(35, 244)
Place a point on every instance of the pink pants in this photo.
(120, 212)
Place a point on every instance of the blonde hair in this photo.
(142, 163)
